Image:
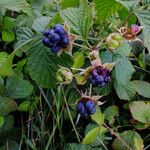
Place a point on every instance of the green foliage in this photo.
(132, 138)
(43, 65)
(38, 112)
(142, 88)
(17, 88)
(7, 105)
(75, 146)
(15, 5)
(92, 135)
(140, 111)
(106, 8)
(79, 19)
(67, 3)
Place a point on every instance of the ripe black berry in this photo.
(86, 107)
(56, 38)
(100, 76)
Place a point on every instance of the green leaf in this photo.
(24, 106)
(144, 18)
(85, 17)
(68, 3)
(122, 51)
(17, 88)
(43, 65)
(110, 112)
(78, 60)
(6, 65)
(125, 92)
(98, 117)
(8, 124)
(123, 71)
(142, 87)
(9, 23)
(7, 105)
(106, 8)
(40, 24)
(132, 138)
(16, 5)
(140, 111)
(130, 5)
(93, 134)
(79, 19)
(1, 121)
(123, 13)
(146, 59)
(8, 36)
(23, 35)
(75, 146)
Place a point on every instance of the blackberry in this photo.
(56, 38)
(99, 76)
(86, 107)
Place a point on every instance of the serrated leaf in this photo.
(132, 138)
(6, 65)
(110, 112)
(68, 3)
(7, 105)
(23, 35)
(43, 64)
(142, 87)
(16, 5)
(18, 88)
(40, 24)
(144, 18)
(140, 111)
(8, 36)
(98, 117)
(92, 135)
(123, 71)
(130, 5)
(9, 23)
(125, 92)
(122, 51)
(79, 19)
(106, 8)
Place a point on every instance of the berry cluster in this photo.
(86, 108)
(56, 38)
(100, 76)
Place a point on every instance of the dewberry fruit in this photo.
(56, 48)
(56, 38)
(99, 76)
(46, 42)
(65, 41)
(86, 107)
(59, 29)
(48, 32)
